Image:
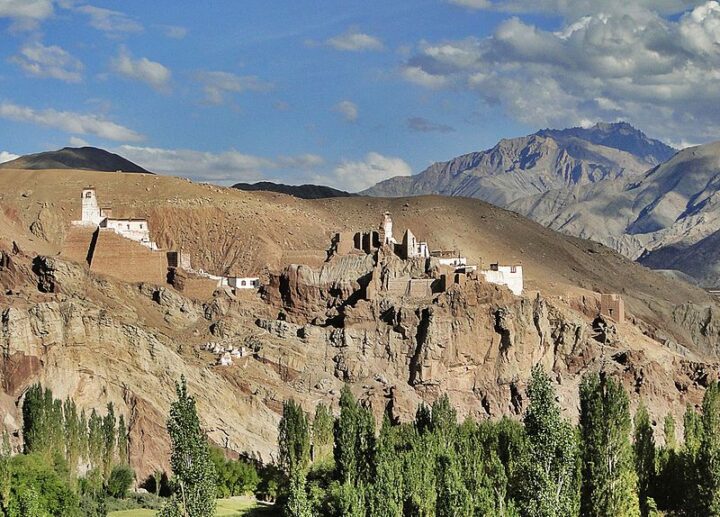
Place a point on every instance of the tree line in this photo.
(542, 466)
(70, 462)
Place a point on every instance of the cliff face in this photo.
(101, 341)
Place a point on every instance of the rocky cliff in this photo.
(314, 328)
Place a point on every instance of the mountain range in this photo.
(609, 183)
(547, 160)
(300, 191)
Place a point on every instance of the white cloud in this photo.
(111, 22)
(472, 4)
(6, 156)
(174, 31)
(151, 72)
(423, 125)
(609, 60)
(347, 109)
(359, 175)
(26, 13)
(355, 41)
(226, 167)
(53, 61)
(78, 142)
(217, 85)
(70, 122)
(416, 74)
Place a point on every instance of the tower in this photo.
(386, 227)
(90, 208)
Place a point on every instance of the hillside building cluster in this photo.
(122, 248)
(453, 267)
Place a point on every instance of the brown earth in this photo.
(98, 339)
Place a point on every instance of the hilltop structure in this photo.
(123, 248)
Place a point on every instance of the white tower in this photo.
(90, 208)
(386, 227)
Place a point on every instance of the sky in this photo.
(343, 92)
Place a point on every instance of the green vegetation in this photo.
(543, 466)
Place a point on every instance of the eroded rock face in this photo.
(100, 341)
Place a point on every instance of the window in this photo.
(141, 227)
(128, 226)
(243, 283)
(88, 195)
(513, 269)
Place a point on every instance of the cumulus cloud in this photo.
(226, 167)
(217, 85)
(6, 156)
(355, 41)
(110, 22)
(359, 175)
(610, 60)
(151, 72)
(576, 8)
(423, 125)
(70, 122)
(348, 110)
(52, 61)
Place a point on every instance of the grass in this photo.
(232, 507)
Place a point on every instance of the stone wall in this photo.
(199, 288)
(77, 243)
(127, 260)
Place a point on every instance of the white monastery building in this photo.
(510, 276)
(137, 230)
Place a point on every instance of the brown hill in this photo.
(88, 158)
(99, 339)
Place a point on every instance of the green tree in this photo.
(322, 433)
(190, 459)
(387, 494)
(293, 438)
(709, 455)
(609, 483)
(548, 474)
(5, 472)
(120, 480)
(109, 440)
(122, 441)
(297, 504)
(453, 498)
(345, 433)
(95, 440)
(644, 447)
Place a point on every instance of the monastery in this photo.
(123, 248)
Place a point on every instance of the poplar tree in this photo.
(453, 498)
(95, 440)
(297, 504)
(387, 494)
(609, 483)
(548, 472)
(322, 433)
(345, 433)
(109, 440)
(122, 441)
(644, 447)
(190, 459)
(73, 439)
(293, 439)
(709, 454)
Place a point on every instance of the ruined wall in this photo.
(199, 288)
(127, 260)
(312, 258)
(613, 306)
(77, 243)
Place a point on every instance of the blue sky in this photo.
(345, 92)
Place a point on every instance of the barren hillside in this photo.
(99, 339)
